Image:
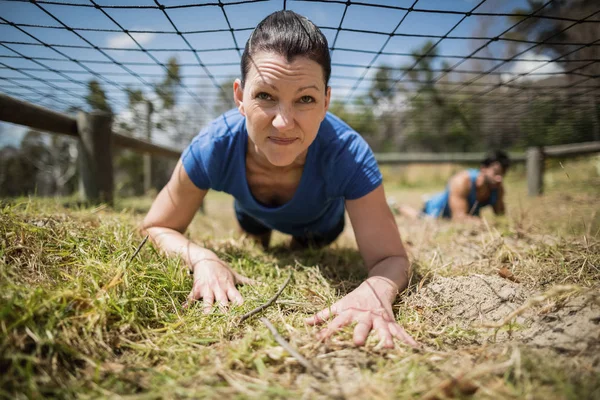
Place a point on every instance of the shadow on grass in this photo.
(343, 267)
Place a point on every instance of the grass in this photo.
(80, 319)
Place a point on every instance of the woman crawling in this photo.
(292, 167)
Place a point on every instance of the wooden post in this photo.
(535, 171)
(96, 180)
(595, 118)
(147, 156)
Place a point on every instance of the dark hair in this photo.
(290, 35)
(497, 156)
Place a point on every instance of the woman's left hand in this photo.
(370, 309)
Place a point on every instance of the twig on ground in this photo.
(555, 291)
(268, 303)
(117, 278)
(317, 372)
(137, 251)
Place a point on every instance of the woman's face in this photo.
(284, 104)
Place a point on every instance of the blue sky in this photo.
(162, 46)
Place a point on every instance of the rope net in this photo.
(457, 75)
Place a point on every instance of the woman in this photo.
(292, 167)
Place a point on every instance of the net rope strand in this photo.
(36, 74)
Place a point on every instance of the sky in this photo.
(54, 80)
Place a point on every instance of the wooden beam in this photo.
(438, 158)
(144, 146)
(570, 150)
(21, 112)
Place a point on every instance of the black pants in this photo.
(251, 225)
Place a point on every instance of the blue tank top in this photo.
(438, 205)
(339, 166)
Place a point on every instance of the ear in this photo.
(327, 98)
(238, 96)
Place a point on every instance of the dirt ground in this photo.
(570, 326)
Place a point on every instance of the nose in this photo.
(284, 119)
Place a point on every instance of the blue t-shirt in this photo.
(438, 205)
(339, 166)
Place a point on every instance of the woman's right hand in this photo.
(215, 280)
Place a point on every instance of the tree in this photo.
(54, 159)
(550, 122)
(224, 97)
(381, 90)
(438, 121)
(17, 174)
(166, 120)
(360, 118)
(566, 43)
(167, 88)
(384, 104)
(96, 97)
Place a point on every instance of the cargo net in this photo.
(457, 75)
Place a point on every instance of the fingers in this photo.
(208, 298)
(221, 297)
(339, 322)
(243, 279)
(210, 295)
(399, 333)
(194, 295)
(321, 316)
(234, 295)
(361, 331)
(383, 332)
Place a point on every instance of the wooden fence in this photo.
(97, 139)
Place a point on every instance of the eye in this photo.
(307, 99)
(263, 96)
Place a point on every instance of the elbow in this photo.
(144, 228)
(153, 228)
(147, 226)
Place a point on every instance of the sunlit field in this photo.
(505, 309)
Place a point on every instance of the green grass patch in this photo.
(80, 318)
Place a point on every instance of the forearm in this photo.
(174, 244)
(389, 276)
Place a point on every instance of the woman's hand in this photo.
(215, 280)
(370, 307)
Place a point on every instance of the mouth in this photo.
(282, 141)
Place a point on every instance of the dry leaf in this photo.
(507, 274)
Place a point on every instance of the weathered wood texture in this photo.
(20, 112)
(535, 171)
(438, 158)
(571, 150)
(96, 177)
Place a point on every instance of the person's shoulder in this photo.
(348, 163)
(461, 181)
(336, 136)
(208, 158)
(334, 128)
(218, 140)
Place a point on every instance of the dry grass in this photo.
(79, 319)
